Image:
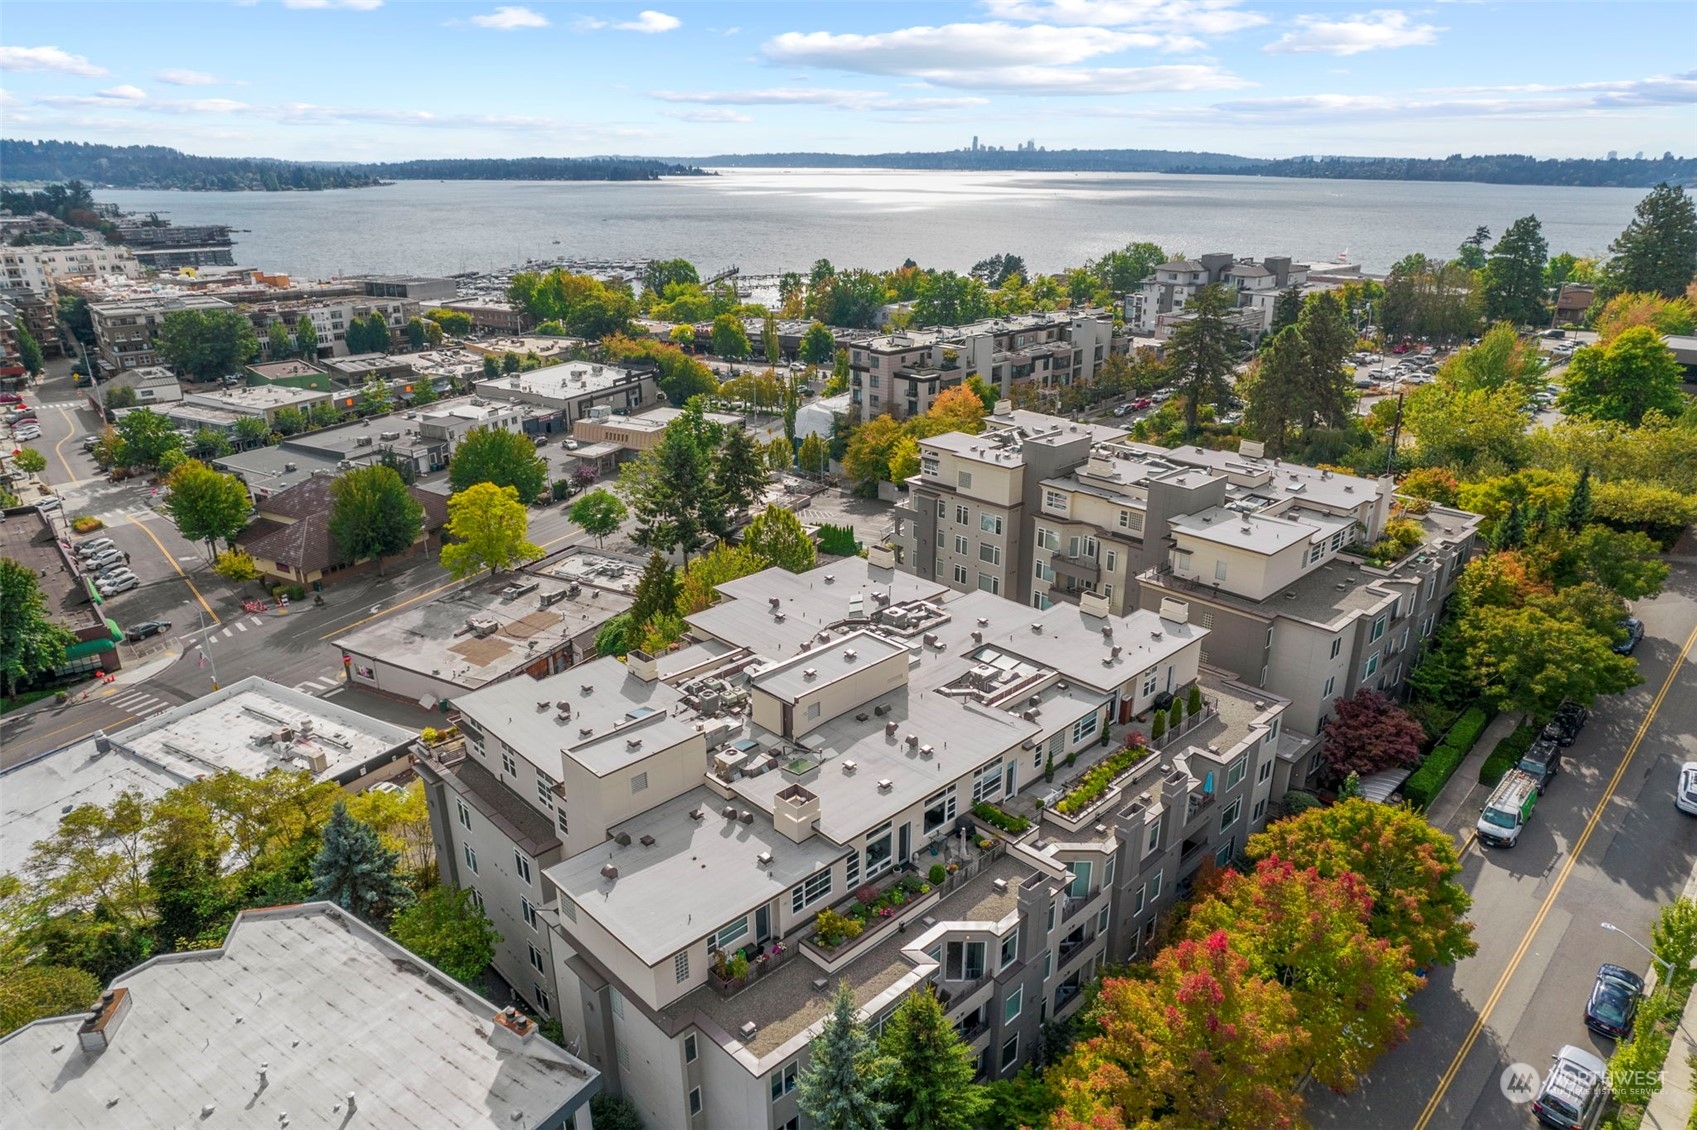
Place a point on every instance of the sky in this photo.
(398, 79)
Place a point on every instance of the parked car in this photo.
(1142, 402)
(1507, 810)
(1122, 409)
(569, 444)
(1541, 762)
(11, 398)
(117, 585)
(146, 629)
(1614, 1001)
(95, 545)
(1634, 628)
(1570, 716)
(1574, 1091)
(48, 502)
(114, 570)
(539, 440)
(1685, 792)
(25, 435)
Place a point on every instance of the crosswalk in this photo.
(59, 403)
(231, 627)
(121, 517)
(139, 703)
(322, 686)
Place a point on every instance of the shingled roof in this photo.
(293, 527)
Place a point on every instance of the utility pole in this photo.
(206, 647)
(1396, 432)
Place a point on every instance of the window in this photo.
(1265, 771)
(942, 509)
(1154, 887)
(1072, 546)
(560, 819)
(1131, 520)
(465, 813)
(1181, 560)
(1219, 570)
(878, 855)
(964, 479)
(617, 1001)
(471, 858)
(1090, 547)
(1137, 907)
(783, 1081)
(990, 523)
(680, 973)
(851, 870)
(962, 546)
(987, 781)
(1011, 1007)
(729, 932)
(475, 898)
(1151, 680)
(1260, 809)
(990, 552)
(1236, 771)
(1207, 619)
(1426, 626)
(527, 912)
(989, 583)
(639, 782)
(522, 866)
(544, 785)
(621, 1052)
(962, 514)
(1085, 726)
(1326, 691)
(1371, 666)
(1048, 963)
(508, 765)
(1050, 925)
(813, 709)
(811, 890)
(536, 962)
(1102, 920)
(1337, 541)
(1113, 560)
(1055, 500)
(541, 996)
(1223, 857)
(1228, 816)
(1378, 630)
(963, 961)
(960, 574)
(1154, 839)
(1048, 539)
(939, 810)
(1010, 949)
(1337, 644)
(689, 1048)
(1010, 1051)
(1080, 885)
(928, 465)
(694, 1101)
(1043, 570)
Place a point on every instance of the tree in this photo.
(489, 528)
(506, 459)
(1628, 564)
(904, 459)
(815, 456)
(491, 367)
(30, 460)
(662, 273)
(840, 1088)
(324, 414)
(29, 353)
(1327, 338)
(279, 343)
(36, 992)
(206, 505)
(1410, 867)
(252, 431)
(1471, 253)
(1201, 352)
(1624, 379)
(777, 535)
(1273, 390)
(1501, 360)
(948, 299)
(701, 577)
(424, 392)
(1202, 1041)
(206, 344)
(1513, 286)
(740, 474)
(613, 1112)
(1119, 271)
(115, 397)
(373, 514)
(209, 443)
(1287, 308)
(375, 398)
(929, 1085)
(236, 566)
(1658, 250)
(450, 931)
(1529, 658)
(356, 872)
(672, 487)
(31, 642)
(600, 513)
(1578, 510)
(416, 336)
(1458, 428)
(147, 437)
(1634, 308)
(817, 345)
(454, 323)
(869, 449)
(1368, 733)
(957, 409)
(656, 592)
(306, 338)
(729, 338)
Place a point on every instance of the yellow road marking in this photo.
(165, 553)
(1454, 1068)
(70, 475)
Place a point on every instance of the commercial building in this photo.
(415, 288)
(489, 316)
(304, 1016)
(638, 432)
(126, 330)
(152, 384)
(263, 401)
(568, 391)
(27, 536)
(290, 540)
(654, 840)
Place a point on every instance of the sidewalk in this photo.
(1456, 808)
(1671, 1107)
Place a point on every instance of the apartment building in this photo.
(41, 268)
(32, 311)
(899, 374)
(330, 317)
(126, 330)
(654, 840)
(1160, 300)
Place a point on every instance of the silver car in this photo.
(1685, 793)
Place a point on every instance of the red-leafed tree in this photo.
(1369, 733)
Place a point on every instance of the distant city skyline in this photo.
(369, 80)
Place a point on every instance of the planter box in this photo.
(831, 960)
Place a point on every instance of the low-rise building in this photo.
(41, 269)
(330, 317)
(489, 316)
(27, 536)
(1160, 300)
(639, 431)
(126, 330)
(33, 311)
(290, 538)
(303, 1014)
(263, 401)
(568, 391)
(416, 288)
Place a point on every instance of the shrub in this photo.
(1176, 714)
(937, 873)
(86, 523)
(839, 541)
(1158, 728)
(1009, 822)
(1193, 700)
(1296, 802)
(834, 929)
(295, 592)
(1507, 755)
(1441, 763)
(1094, 783)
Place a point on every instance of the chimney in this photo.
(101, 1027)
(880, 557)
(794, 811)
(642, 665)
(510, 1030)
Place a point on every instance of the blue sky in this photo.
(392, 79)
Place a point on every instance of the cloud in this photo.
(816, 96)
(125, 93)
(708, 115)
(176, 77)
(510, 19)
(1522, 102)
(48, 59)
(1372, 31)
(1205, 17)
(651, 23)
(348, 5)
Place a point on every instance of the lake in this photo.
(768, 220)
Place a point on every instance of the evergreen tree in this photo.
(930, 1080)
(1510, 532)
(839, 1090)
(1202, 350)
(739, 472)
(1514, 274)
(356, 872)
(1287, 308)
(777, 535)
(656, 592)
(1657, 252)
(1579, 503)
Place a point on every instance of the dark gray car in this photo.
(1541, 762)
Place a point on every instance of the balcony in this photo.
(1072, 905)
(1199, 802)
(1078, 568)
(750, 969)
(1075, 942)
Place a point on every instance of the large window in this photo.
(990, 553)
(987, 781)
(990, 523)
(989, 584)
(851, 869)
(1228, 815)
(939, 810)
(783, 1081)
(1086, 726)
(1151, 680)
(962, 546)
(1080, 885)
(1055, 500)
(1236, 770)
(963, 961)
(878, 854)
(729, 933)
(1011, 1007)
(1048, 539)
(811, 890)
(1010, 1051)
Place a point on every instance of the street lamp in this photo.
(1640, 945)
(205, 642)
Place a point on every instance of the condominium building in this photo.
(1160, 300)
(654, 840)
(126, 330)
(900, 374)
(330, 318)
(41, 268)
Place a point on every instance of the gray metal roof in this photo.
(327, 1006)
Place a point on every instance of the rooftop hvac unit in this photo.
(889, 729)
(886, 785)
(764, 859)
(745, 817)
(850, 766)
(609, 871)
(389, 435)
(318, 760)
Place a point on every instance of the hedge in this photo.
(1507, 755)
(1440, 765)
(1010, 822)
(1094, 783)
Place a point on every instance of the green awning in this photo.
(88, 647)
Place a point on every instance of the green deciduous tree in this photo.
(1622, 380)
(31, 642)
(450, 931)
(306, 338)
(279, 342)
(817, 345)
(729, 338)
(1458, 428)
(1658, 250)
(114, 397)
(1119, 271)
(506, 459)
(489, 528)
(1202, 351)
(841, 1086)
(586, 306)
(209, 443)
(402, 822)
(815, 456)
(252, 431)
(147, 437)
(29, 352)
(31, 460)
(373, 514)
(1513, 283)
(356, 872)
(600, 513)
(236, 566)
(724, 562)
(870, 448)
(454, 323)
(1530, 658)
(206, 344)
(777, 535)
(36, 992)
(929, 1084)
(206, 505)
(662, 273)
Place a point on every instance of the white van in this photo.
(1508, 809)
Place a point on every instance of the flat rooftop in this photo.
(603, 570)
(328, 1005)
(1323, 595)
(433, 637)
(235, 728)
(258, 396)
(36, 795)
(691, 878)
(810, 601)
(1254, 532)
(558, 382)
(26, 538)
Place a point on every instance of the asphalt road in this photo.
(1605, 844)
